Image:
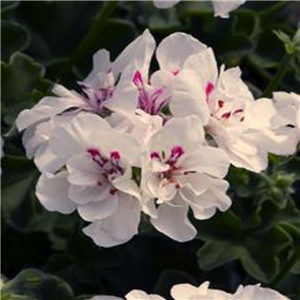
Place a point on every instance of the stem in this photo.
(274, 9)
(88, 41)
(283, 68)
(288, 266)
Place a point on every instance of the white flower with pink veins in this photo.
(203, 292)
(179, 171)
(97, 89)
(133, 295)
(152, 94)
(95, 177)
(222, 8)
(225, 106)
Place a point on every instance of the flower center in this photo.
(150, 99)
(221, 110)
(109, 168)
(172, 161)
(104, 91)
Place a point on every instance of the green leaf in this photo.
(14, 38)
(36, 285)
(21, 77)
(262, 265)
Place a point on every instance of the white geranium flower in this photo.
(97, 89)
(242, 127)
(288, 107)
(152, 95)
(133, 295)
(165, 3)
(203, 292)
(97, 178)
(256, 292)
(180, 171)
(273, 124)
(1, 150)
(222, 8)
(140, 295)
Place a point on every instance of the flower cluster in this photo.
(128, 142)
(222, 8)
(203, 292)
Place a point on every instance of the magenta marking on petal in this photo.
(221, 103)
(209, 88)
(154, 155)
(176, 72)
(112, 191)
(138, 79)
(177, 151)
(93, 152)
(115, 155)
(226, 115)
(238, 111)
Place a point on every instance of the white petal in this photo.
(101, 64)
(119, 227)
(255, 292)
(127, 186)
(204, 64)
(183, 291)
(188, 98)
(209, 160)
(52, 191)
(165, 3)
(138, 53)
(45, 159)
(173, 51)
(173, 222)
(83, 170)
(94, 211)
(185, 132)
(48, 107)
(141, 295)
(76, 137)
(85, 194)
(223, 8)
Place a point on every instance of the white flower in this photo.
(152, 95)
(165, 3)
(1, 150)
(203, 292)
(97, 179)
(180, 171)
(96, 90)
(140, 295)
(288, 107)
(133, 295)
(273, 125)
(189, 292)
(256, 292)
(222, 8)
(242, 127)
